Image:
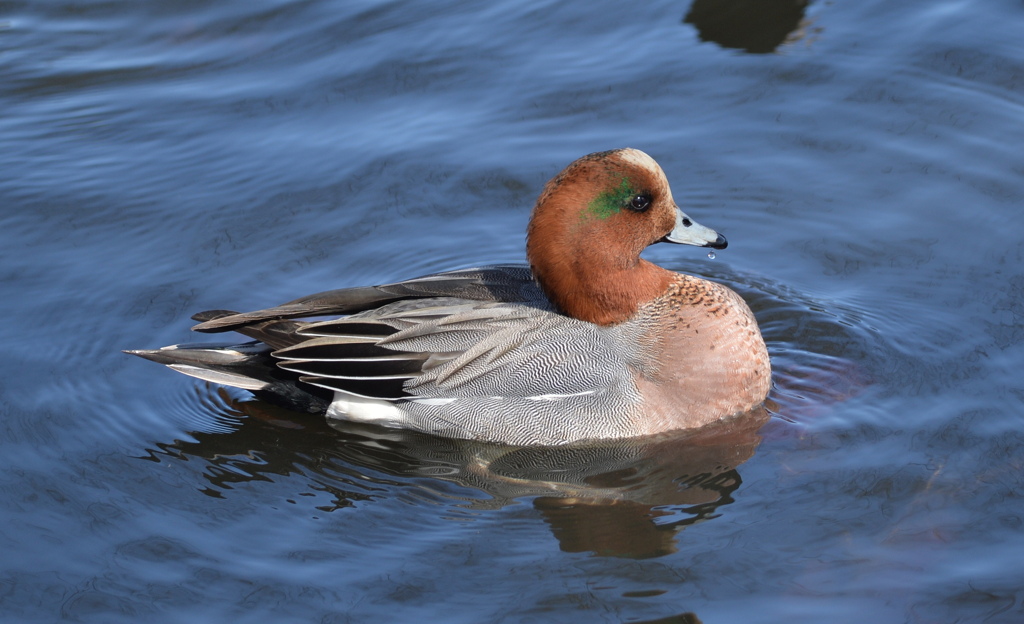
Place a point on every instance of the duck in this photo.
(589, 341)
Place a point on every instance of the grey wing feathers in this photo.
(491, 283)
(478, 349)
(474, 353)
(531, 357)
(448, 348)
(394, 334)
(338, 358)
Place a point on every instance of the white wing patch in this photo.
(359, 409)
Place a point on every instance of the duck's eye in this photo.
(640, 203)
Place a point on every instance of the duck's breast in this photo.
(704, 358)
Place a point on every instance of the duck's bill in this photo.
(689, 232)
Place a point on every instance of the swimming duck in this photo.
(588, 342)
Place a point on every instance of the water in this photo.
(863, 159)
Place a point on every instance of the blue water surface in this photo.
(863, 158)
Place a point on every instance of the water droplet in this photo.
(711, 255)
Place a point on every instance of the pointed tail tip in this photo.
(147, 354)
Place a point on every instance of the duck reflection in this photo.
(617, 498)
(756, 26)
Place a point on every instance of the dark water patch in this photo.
(757, 27)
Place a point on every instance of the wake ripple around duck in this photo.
(823, 352)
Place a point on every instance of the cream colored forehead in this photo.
(640, 159)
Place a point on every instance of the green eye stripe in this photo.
(609, 203)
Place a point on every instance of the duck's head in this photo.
(589, 226)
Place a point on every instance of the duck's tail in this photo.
(247, 366)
